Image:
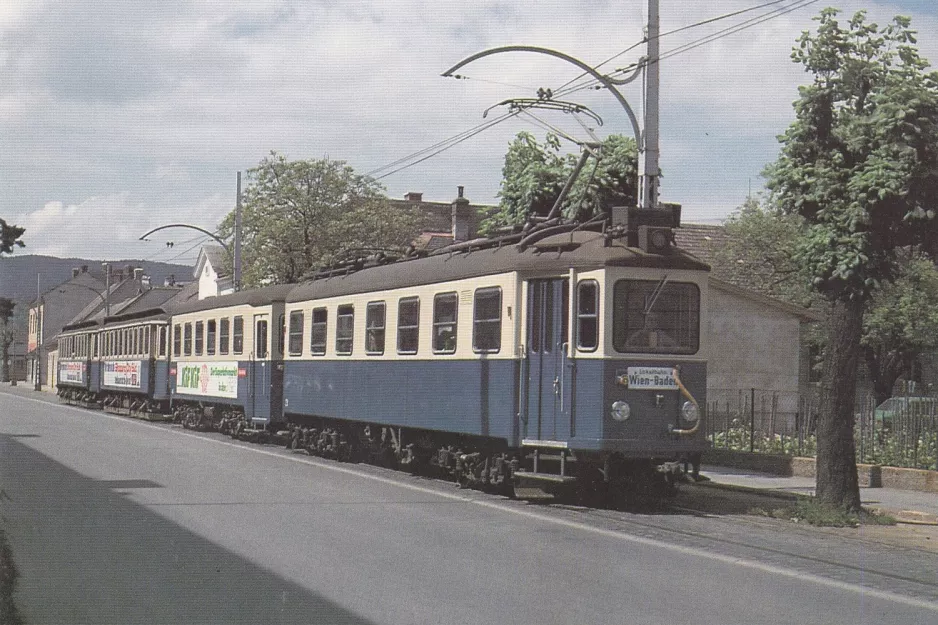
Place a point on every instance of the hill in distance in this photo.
(18, 273)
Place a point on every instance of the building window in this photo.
(177, 340)
(408, 325)
(187, 339)
(587, 315)
(445, 307)
(224, 330)
(211, 333)
(162, 341)
(487, 320)
(374, 328)
(296, 332)
(237, 337)
(199, 337)
(317, 335)
(344, 329)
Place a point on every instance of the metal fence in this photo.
(903, 432)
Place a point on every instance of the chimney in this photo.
(75, 272)
(84, 268)
(414, 197)
(170, 280)
(461, 217)
(138, 274)
(129, 272)
(117, 276)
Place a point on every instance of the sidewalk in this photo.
(905, 505)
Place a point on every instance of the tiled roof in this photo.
(701, 240)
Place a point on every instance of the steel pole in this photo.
(648, 156)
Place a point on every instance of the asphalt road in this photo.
(114, 520)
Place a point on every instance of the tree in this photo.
(534, 174)
(300, 215)
(10, 236)
(860, 165)
(6, 336)
(901, 325)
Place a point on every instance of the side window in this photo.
(211, 332)
(281, 335)
(296, 332)
(237, 340)
(344, 329)
(317, 335)
(177, 340)
(445, 306)
(487, 320)
(260, 339)
(587, 315)
(162, 341)
(408, 325)
(187, 339)
(199, 337)
(224, 332)
(374, 328)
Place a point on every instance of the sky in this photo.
(119, 116)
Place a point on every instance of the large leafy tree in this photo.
(9, 237)
(534, 175)
(860, 165)
(299, 215)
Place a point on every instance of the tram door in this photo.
(548, 388)
(258, 405)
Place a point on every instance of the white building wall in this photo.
(752, 345)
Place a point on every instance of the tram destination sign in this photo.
(648, 378)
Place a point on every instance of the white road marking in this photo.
(606, 533)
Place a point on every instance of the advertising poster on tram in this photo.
(211, 379)
(122, 373)
(72, 371)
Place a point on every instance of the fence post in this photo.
(752, 420)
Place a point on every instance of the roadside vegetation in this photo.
(9, 615)
(818, 513)
(894, 448)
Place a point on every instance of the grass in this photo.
(9, 615)
(813, 512)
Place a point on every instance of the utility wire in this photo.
(480, 128)
(671, 32)
(454, 138)
(720, 34)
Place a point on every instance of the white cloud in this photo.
(147, 110)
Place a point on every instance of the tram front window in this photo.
(656, 316)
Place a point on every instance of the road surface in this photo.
(114, 520)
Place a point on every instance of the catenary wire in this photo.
(720, 34)
(671, 32)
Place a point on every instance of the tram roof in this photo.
(582, 250)
(251, 297)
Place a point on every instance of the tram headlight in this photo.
(690, 412)
(620, 410)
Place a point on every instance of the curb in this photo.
(752, 490)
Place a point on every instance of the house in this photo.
(445, 222)
(211, 272)
(80, 296)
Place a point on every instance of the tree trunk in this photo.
(836, 457)
(6, 340)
